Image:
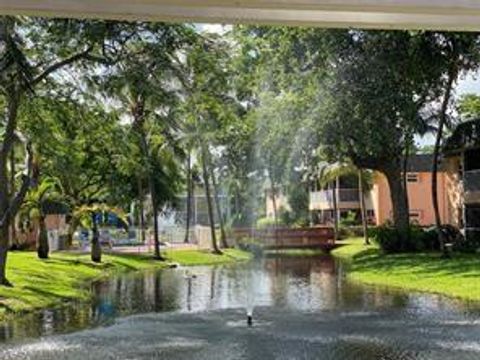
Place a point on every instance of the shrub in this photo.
(265, 222)
(391, 240)
(387, 238)
(285, 216)
(301, 222)
(251, 245)
(351, 231)
(469, 244)
(290, 218)
(350, 220)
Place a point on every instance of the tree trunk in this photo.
(4, 227)
(96, 251)
(141, 210)
(335, 210)
(401, 217)
(153, 196)
(156, 237)
(194, 206)
(13, 232)
(42, 247)
(138, 113)
(238, 211)
(72, 227)
(363, 210)
(13, 102)
(274, 199)
(3, 256)
(209, 201)
(223, 235)
(189, 197)
(404, 176)
(452, 74)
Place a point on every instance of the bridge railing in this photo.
(281, 237)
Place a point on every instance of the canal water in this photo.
(303, 308)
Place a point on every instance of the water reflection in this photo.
(290, 287)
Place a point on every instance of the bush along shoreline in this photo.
(64, 277)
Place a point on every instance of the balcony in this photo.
(471, 185)
(323, 200)
(472, 180)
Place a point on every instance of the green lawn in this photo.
(47, 283)
(194, 257)
(456, 277)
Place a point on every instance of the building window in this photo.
(412, 177)
(415, 216)
(471, 160)
(370, 213)
(472, 216)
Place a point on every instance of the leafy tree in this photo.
(276, 118)
(280, 71)
(380, 84)
(145, 85)
(33, 49)
(460, 53)
(208, 107)
(82, 146)
(469, 106)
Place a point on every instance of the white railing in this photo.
(326, 196)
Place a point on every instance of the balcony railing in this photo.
(326, 196)
(471, 181)
(348, 195)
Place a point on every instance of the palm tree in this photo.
(33, 207)
(206, 180)
(330, 172)
(196, 136)
(145, 85)
(86, 215)
(205, 107)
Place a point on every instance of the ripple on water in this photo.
(302, 311)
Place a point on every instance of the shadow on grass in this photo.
(48, 294)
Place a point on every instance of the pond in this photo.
(303, 308)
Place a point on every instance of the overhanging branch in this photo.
(58, 65)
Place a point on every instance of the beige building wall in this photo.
(281, 202)
(420, 199)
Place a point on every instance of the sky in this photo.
(470, 84)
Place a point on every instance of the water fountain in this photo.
(249, 318)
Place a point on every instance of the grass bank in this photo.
(62, 278)
(457, 277)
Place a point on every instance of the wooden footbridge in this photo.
(290, 238)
